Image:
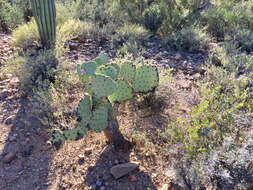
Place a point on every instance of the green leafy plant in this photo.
(107, 85)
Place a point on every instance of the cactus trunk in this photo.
(115, 137)
(45, 14)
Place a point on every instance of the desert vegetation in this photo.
(170, 84)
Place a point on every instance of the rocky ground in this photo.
(28, 161)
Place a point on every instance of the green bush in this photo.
(188, 39)
(153, 17)
(26, 36)
(10, 16)
(244, 39)
(130, 38)
(226, 99)
(222, 18)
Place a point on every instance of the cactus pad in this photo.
(87, 68)
(84, 108)
(82, 129)
(146, 78)
(102, 85)
(99, 119)
(71, 134)
(116, 66)
(58, 138)
(101, 59)
(108, 71)
(123, 92)
(127, 71)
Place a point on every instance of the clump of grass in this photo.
(188, 39)
(26, 36)
(130, 38)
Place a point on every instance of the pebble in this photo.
(123, 169)
(13, 137)
(9, 157)
(99, 182)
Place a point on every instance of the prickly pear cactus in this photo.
(127, 71)
(107, 85)
(123, 92)
(84, 109)
(146, 78)
(102, 85)
(109, 71)
(99, 119)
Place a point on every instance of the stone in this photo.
(177, 56)
(9, 120)
(99, 182)
(133, 178)
(9, 157)
(122, 169)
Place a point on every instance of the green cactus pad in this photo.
(123, 92)
(146, 78)
(102, 85)
(58, 138)
(87, 68)
(127, 71)
(116, 66)
(99, 119)
(71, 134)
(82, 129)
(84, 108)
(108, 71)
(101, 59)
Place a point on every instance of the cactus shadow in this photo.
(26, 139)
(99, 177)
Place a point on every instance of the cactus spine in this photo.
(45, 14)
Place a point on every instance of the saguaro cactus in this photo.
(107, 85)
(45, 15)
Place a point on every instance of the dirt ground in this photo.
(85, 164)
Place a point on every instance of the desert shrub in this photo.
(228, 166)
(64, 13)
(153, 17)
(50, 92)
(10, 16)
(222, 18)
(26, 36)
(188, 39)
(130, 37)
(244, 39)
(226, 100)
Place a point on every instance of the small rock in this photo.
(13, 137)
(177, 56)
(73, 46)
(9, 120)
(9, 157)
(87, 152)
(132, 178)
(122, 169)
(106, 177)
(99, 182)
